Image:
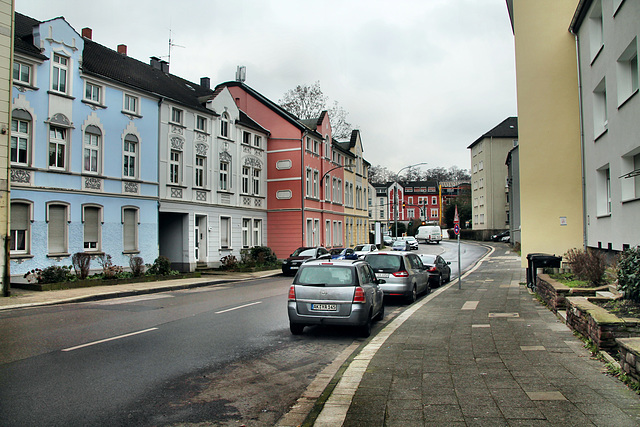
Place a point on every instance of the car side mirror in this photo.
(448, 262)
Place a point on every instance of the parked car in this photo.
(343, 253)
(429, 234)
(387, 240)
(336, 292)
(413, 242)
(439, 269)
(400, 245)
(291, 265)
(361, 250)
(404, 273)
(498, 237)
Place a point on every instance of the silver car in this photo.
(403, 272)
(335, 292)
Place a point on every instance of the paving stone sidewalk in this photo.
(488, 354)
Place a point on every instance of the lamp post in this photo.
(395, 193)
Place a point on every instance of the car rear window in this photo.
(328, 275)
(384, 262)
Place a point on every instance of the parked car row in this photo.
(345, 292)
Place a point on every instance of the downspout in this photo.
(582, 143)
(303, 194)
(160, 101)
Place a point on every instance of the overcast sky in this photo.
(421, 79)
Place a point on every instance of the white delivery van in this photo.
(429, 234)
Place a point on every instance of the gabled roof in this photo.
(292, 119)
(314, 123)
(23, 36)
(248, 122)
(507, 129)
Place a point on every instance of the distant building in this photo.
(513, 195)
(489, 176)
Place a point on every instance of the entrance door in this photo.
(197, 243)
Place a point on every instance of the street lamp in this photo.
(395, 193)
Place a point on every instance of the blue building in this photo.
(84, 151)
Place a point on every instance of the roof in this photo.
(579, 15)
(248, 122)
(23, 36)
(508, 128)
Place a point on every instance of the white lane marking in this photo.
(238, 307)
(135, 298)
(109, 339)
(470, 305)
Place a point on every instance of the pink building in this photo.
(304, 175)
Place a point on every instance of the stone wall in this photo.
(554, 293)
(630, 356)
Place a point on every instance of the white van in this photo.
(429, 234)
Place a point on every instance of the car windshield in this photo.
(304, 252)
(383, 262)
(428, 259)
(337, 251)
(399, 243)
(325, 275)
(358, 248)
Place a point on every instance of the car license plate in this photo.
(324, 307)
(382, 275)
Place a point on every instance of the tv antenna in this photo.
(171, 44)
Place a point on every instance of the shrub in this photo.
(161, 266)
(136, 264)
(228, 262)
(263, 255)
(51, 274)
(109, 271)
(629, 274)
(81, 263)
(587, 265)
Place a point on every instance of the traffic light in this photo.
(403, 205)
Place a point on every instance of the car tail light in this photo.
(358, 296)
(292, 293)
(432, 269)
(402, 273)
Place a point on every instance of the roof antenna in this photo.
(241, 73)
(171, 44)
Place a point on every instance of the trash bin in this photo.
(536, 261)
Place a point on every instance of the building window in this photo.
(245, 179)
(246, 138)
(57, 233)
(246, 230)
(327, 188)
(22, 73)
(309, 183)
(224, 125)
(130, 155)
(92, 93)
(595, 28)
(20, 137)
(176, 115)
(434, 200)
(200, 171)
(131, 104)
(627, 72)
(130, 229)
(175, 166)
(256, 182)
(60, 72)
(600, 116)
(224, 176)
(91, 228)
(57, 147)
(636, 179)
(257, 141)
(434, 213)
(257, 232)
(201, 123)
(316, 184)
(20, 228)
(603, 191)
(92, 149)
(225, 232)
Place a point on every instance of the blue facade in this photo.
(85, 173)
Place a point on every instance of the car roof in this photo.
(340, 262)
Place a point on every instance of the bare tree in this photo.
(307, 102)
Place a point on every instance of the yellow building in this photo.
(549, 126)
(6, 50)
(356, 199)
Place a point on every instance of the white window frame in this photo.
(130, 228)
(175, 167)
(225, 232)
(92, 150)
(246, 137)
(246, 232)
(200, 167)
(177, 116)
(58, 228)
(309, 187)
(603, 191)
(627, 72)
(130, 104)
(201, 124)
(595, 29)
(225, 128)
(26, 232)
(90, 245)
(600, 113)
(93, 93)
(246, 171)
(18, 73)
(255, 177)
(60, 73)
(316, 184)
(257, 141)
(20, 138)
(256, 231)
(224, 175)
(128, 156)
(60, 146)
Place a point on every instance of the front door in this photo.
(197, 243)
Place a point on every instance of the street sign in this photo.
(456, 229)
(456, 218)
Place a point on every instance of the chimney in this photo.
(155, 62)
(122, 49)
(205, 82)
(87, 33)
(164, 66)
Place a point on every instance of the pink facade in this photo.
(299, 155)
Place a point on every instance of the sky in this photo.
(420, 79)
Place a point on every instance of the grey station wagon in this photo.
(335, 292)
(403, 272)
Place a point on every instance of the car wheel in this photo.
(440, 280)
(365, 330)
(413, 296)
(448, 278)
(380, 314)
(296, 328)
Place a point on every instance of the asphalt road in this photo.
(219, 354)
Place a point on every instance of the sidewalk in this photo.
(21, 298)
(488, 354)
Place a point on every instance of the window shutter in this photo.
(57, 228)
(19, 216)
(129, 230)
(91, 224)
